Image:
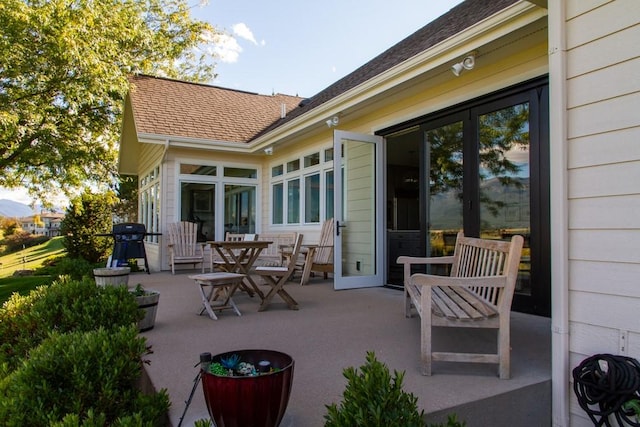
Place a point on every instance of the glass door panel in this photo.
(239, 209)
(197, 205)
(504, 181)
(444, 147)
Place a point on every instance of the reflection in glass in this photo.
(239, 209)
(293, 201)
(444, 157)
(312, 198)
(504, 180)
(329, 194)
(277, 204)
(197, 205)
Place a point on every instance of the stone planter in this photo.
(149, 304)
(257, 401)
(112, 276)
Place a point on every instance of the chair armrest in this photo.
(421, 279)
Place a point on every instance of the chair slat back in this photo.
(183, 235)
(294, 255)
(486, 258)
(324, 253)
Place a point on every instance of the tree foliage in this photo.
(63, 78)
(87, 216)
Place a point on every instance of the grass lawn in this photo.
(26, 259)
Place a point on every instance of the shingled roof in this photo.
(171, 107)
(451, 23)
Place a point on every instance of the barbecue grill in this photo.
(129, 244)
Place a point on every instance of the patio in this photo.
(333, 330)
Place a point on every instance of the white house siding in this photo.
(150, 157)
(603, 127)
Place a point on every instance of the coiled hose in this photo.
(603, 385)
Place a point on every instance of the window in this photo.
(312, 198)
(293, 201)
(240, 172)
(277, 216)
(309, 190)
(218, 198)
(150, 203)
(293, 165)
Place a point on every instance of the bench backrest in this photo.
(278, 240)
(475, 257)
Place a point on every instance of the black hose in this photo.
(603, 384)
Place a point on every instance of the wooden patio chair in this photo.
(477, 294)
(183, 245)
(318, 258)
(276, 277)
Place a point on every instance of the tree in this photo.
(87, 216)
(63, 78)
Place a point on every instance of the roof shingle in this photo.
(170, 107)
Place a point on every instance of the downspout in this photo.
(560, 366)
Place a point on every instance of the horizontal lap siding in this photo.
(603, 130)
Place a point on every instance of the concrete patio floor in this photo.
(334, 330)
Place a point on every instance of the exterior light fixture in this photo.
(268, 151)
(467, 63)
(333, 121)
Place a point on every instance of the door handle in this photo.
(338, 227)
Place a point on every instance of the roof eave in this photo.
(504, 22)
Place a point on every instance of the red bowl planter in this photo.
(258, 401)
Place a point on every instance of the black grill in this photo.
(128, 244)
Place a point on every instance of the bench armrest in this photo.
(420, 279)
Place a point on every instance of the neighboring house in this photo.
(45, 224)
(546, 122)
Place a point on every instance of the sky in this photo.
(300, 47)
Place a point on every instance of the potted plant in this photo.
(147, 300)
(248, 387)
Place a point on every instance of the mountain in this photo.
(12, 209)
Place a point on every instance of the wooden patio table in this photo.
(238, 257)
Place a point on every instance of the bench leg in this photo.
(425, 328)
(504, 348)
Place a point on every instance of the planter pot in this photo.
(257, 401)
(112, 276)
(149, 304)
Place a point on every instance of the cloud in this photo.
(241, 30)
(225, 47)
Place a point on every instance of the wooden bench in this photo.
(477, 294)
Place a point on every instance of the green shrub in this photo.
(75, 268)
(373, 398)
(87, 216)
(78, 376)
(64, 306)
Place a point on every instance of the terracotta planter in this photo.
(257, 401)
(149, 304)
(112, 276)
